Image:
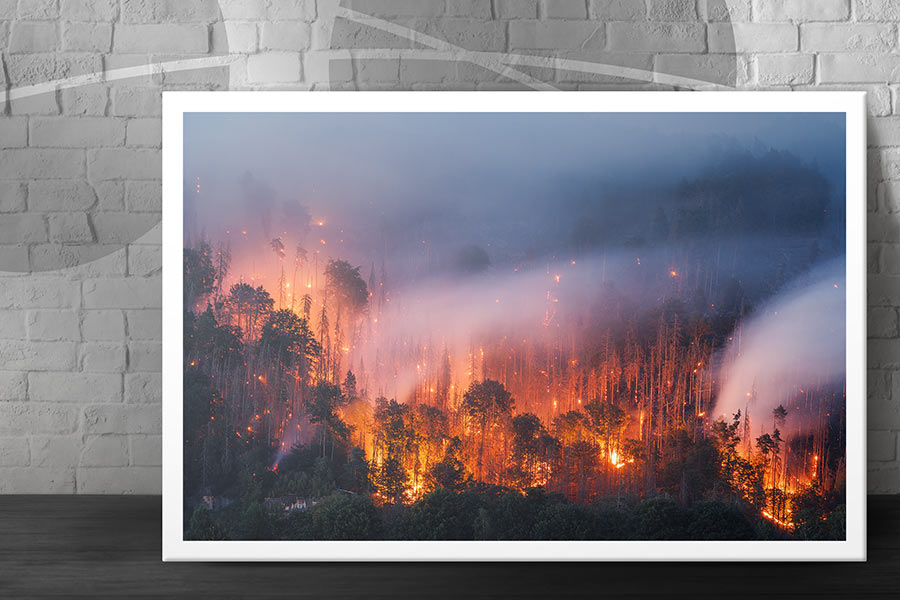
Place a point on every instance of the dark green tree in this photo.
(450, 471)
(199, 273)
(345, 284)
(392, 480)
(249, 306)
(202, 526)
(485, 404)
(324, 402)
(346, 517)
(288, 339)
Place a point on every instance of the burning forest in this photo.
(550, 348)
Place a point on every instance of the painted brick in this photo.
(167, 38)
(143, 388)
(15, 452)
(41, 163)
(89, 10)
(30, 480)
(882, 446)
(38, 68)
(87, 37)
(617, 10)
(128, 292)
(146, 450)
(52, 325)
(877, 10)
(672, 10)
(12, 386)
(103, 357)
(657, 37)
(516, 9)
(33, 36)
(14, 258)
(473, 9)
(274, 67)
(38, 418)
(884, 290)
(878, 96)
(69, 227)
(124, 163)
(120, 480)
(144, 132)
(75, 387)
(12, 196)
(801, 10)
(37, 9)
(243, 9)
(889, 196)
(235, 37)
(38, 293)
(14, 132)
(144, 356)
(144, 324)
(144, 260)
(733, 11)
(118, 419)
(485, 36)
(110, 196)
(784, 69)
(702, 68)
(122, 227)
(168, 11)
(136, 101)
(90, 100)
(54, 451)
(12, 325)
(752, 37)
(381, 70)
(144, 196)
(291, 10)
(39, 104)
(102, 325)
(565, 9)
(564, 35)
(22, 227)
(104, 451)
(850, 37)
(285, 35)
(861, 68)
(882, 322)
(884, 131)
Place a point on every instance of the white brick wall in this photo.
(80, 197)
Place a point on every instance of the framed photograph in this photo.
(514, 326)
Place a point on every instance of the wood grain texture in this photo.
(110, 547)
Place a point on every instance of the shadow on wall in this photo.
(80, 133)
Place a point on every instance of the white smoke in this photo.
(794, 342)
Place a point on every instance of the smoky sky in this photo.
(339, 158)
(511, 184)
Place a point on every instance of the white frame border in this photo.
(177, 103)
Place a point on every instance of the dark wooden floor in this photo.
(105, 546)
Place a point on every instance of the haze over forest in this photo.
(626, 279)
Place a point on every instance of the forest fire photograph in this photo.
(513, 326)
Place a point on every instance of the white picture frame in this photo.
(852, 104)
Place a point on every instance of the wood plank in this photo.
(110, 547)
